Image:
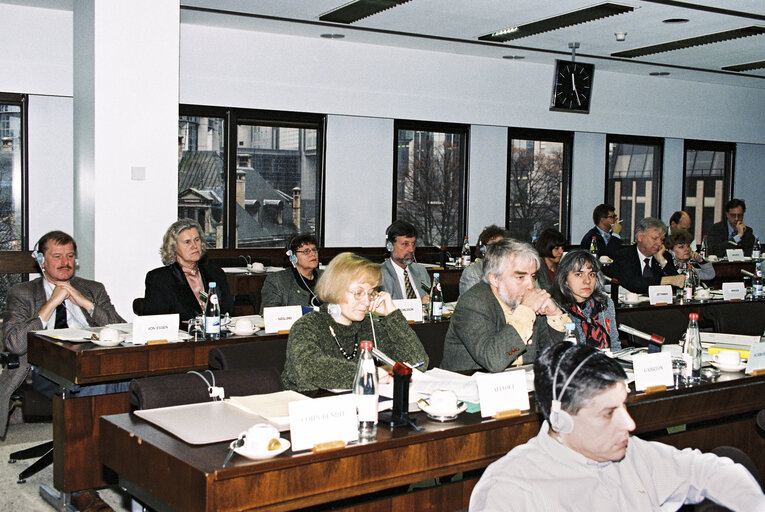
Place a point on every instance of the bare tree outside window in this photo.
(430, 177)
(11, 177)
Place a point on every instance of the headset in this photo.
(388, 243)
(293, 259)
(290, 253)
(560, 420)
(40, 257)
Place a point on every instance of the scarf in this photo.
(595, 333)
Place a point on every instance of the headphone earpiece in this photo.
(389, 246)
(293, 258)
(38, 256)
(560, 420)
(333, 310)
(483, 250)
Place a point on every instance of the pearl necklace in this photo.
(342, 350)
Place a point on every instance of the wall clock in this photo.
(572, 86)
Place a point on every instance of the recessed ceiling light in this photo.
(332, 36)
(659, 73)
(513, 57)
(675, 20)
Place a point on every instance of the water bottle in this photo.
(365, 389)
(594, 247)
(757, 281)
(212, 313)
(465, 252)
(692, 348)
(688, 284)
(436, 299)
(570, 336)
(756, 251)
(704, 249)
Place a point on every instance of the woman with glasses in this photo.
(323, 346)
(295, 286)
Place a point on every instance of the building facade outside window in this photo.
(538, 182)
(430, 176)
(707, 181)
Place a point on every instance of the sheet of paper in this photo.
(423, 384)
(272, 406)
(70, 333)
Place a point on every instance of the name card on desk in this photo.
(652, 370)
(280, 318)
(155, 327)
(735, 254)
(322, 420)
(411, 308)
(504, 391)
(756, 359)
(660, 294)
(734, 291)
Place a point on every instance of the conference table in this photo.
(168, 474)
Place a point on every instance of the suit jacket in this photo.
(283, 289)
(168, 291)
(719, 241)
(628, 270)
(611, 249)
(418, 276)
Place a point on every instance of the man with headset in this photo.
(404, 278)
(584, 458)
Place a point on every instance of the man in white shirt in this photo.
(585, 459)
(404, 278)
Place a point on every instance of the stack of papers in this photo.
(274, 407)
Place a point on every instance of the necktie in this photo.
(408, 285)
(647, 273)
(61, 322)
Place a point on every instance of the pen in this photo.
(417, 365)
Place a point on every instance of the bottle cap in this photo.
(693, 316)
(212, 283)
(436, 274)
(366, 345)
(570, 326)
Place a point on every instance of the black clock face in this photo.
(572, 86)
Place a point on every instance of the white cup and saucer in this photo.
(728, 361)
(703, 294)
(243, 327)
(256, 267)
(442, 405)
(261, 441)
(632, 299)
(108, 337)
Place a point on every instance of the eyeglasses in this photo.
(360, 294)
(614, 216)
(309, 251)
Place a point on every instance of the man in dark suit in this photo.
(645, 264)
(606, 232)
(731, 233)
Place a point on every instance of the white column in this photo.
(126, 69)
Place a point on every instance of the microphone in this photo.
(653, 339)
(747, 273)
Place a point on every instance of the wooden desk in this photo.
(75, 419)
(170, 475)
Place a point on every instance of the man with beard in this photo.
(403, 278)
(503, 319)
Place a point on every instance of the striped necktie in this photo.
(408, 285)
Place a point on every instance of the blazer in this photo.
(418, 275)
(282, 289)
(718, 240)
(168, 291)
(627, 269)
(611, 249)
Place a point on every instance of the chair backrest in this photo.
(138, 306)
(738, 318)
(269, 353)
(670, 323)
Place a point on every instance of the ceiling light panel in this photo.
(359, 9)
(681, 44)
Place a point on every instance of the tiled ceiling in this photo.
(455, 26)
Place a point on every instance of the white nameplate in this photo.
(735, 254)
(504, 391)
(756, 358)
(652, 370)
(734, 291)
(155, 327)
(660, 294)
(322, 420)
(280, 318)
(411, 308)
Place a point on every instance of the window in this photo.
(633, 179)
(13, 184)
(708, 169)
(538, 182)
(258, 191)
(430, 171)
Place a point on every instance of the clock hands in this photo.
(576, 93)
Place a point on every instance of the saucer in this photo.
(113, 343)
(452, 415)
(244, 333)
(732, 369)
(263, 454)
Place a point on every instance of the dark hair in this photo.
(400, 228)
(575, 261)
(548, 240)
(678, 236)
(676, 217)
(735, 203)
(294, 243)
(598, 373)
(601, 211)
(490, 232)
(57, 237)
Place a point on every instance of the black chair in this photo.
(670, 323)
(269, 353)
(138, 306)
(738, 318)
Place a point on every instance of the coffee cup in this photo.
(729, 358)
(633, 297)
(703, 294)
(256, 267)
(109, 335)
(261, 437)
(244, 326)
(443, 402)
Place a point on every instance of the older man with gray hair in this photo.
(503, 319)
(645, 264)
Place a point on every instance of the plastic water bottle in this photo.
(756, 250)
(594, 247)
(465, 252)
(212, 313)
(366, 391)
(692, 348)
(436, 299)
(757, 281)
(570, 336)
(688, 284)
(704, 249)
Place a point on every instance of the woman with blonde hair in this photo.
(323, 346)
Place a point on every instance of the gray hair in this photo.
(170, 240)
(500, 252)
(650, 222)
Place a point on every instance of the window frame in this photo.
(729, 148)
(564, 137)
(464, 131)
(22, 100)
